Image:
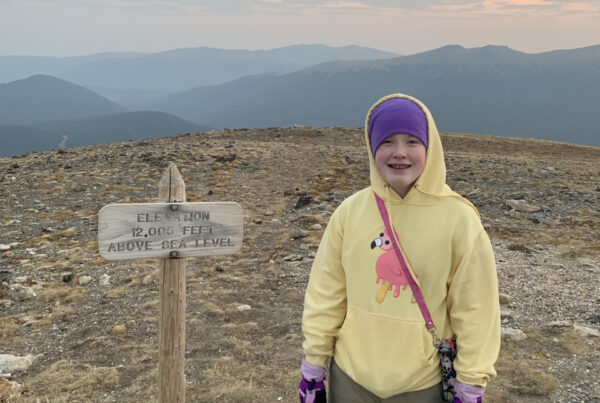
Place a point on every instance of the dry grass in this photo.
(520, 365)
(115, 293)
(46, 238)
(65, 379)
(10, 331)
(59, 291)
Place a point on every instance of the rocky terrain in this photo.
(75, 327)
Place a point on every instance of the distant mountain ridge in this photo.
(98, 129)
(132, 78)
(43, 97)
(115, 127)
(489, 90)
(42, 112)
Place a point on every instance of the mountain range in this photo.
(488, 90)
(132, 78)
(72, 101)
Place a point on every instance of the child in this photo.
(358, 309)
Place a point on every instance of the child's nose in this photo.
(399, 150)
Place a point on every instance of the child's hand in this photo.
(312, 392)
(465, 393)
(312, 387)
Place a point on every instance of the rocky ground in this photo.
(75, 327)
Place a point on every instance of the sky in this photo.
(80, 27)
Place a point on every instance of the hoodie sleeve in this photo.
(325, 298)
(474, 312)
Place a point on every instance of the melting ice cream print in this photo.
(389, 271)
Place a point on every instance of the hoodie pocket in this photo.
(378, 351)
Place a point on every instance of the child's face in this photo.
(400, 159)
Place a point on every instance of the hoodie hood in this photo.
(431, 184)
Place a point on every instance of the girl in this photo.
(358, 310)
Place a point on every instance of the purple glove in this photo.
(466, 393)
(312, 387)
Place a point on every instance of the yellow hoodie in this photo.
(385, 346)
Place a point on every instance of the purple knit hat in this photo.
(394, 116)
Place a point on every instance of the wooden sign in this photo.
(167, 230)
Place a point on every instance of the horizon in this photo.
(292, 45)
(71, 28)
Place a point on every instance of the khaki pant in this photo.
(342, 389)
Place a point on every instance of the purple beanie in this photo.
(395, 116)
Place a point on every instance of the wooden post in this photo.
(170, 231)
(172, 281)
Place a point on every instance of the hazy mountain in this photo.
(493, 89)
(18, 67)
(130, 78)
(100, 129)
(187, 68)
(21, 140)
(42, 97)
(42, 112)
(115, 127)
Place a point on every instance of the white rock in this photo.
(292, 258)
(586, 331)
(104, 279)
(474, 192)
(504, 299)
(84, 280)
(522, 205)
(244, 308)
(10, 363)
(4, 247)
(150, 279)
(21, 279)
(7, 303)
(507, 313)
(37, 288)
(21, 293)
(513, 334)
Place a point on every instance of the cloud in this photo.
(503, 8)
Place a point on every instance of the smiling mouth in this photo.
(399, 166)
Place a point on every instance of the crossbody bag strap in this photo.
(411, 281)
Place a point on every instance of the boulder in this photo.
(19, 292)
(104, 280)
(84, 280)
(586, 331)
(10, 363)
(523, 206)
(511, 334)
(504, 299)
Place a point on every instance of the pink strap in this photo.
(413, 285)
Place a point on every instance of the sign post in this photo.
(171, 231)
